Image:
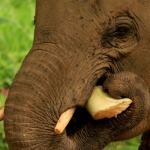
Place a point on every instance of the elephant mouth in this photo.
(82, 121)
(100, 81)
(83, 124)
(79, 120)
(81, 117)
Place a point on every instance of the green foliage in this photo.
(16, 36)
(131, 144)
(3, 144)
(2, 100)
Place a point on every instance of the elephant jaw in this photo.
(100, 105)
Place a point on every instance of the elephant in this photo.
(80, 44)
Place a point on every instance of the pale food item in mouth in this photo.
(100, 105)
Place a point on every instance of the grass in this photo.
(131, 144)
(3, 144)
(16, 36)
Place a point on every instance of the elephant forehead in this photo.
(110, 5)
(136, 7)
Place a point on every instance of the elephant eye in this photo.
(121, 31)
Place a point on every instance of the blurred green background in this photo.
(16, 36)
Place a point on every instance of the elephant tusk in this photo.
(64, 120)
(100, 105)
(1, 114)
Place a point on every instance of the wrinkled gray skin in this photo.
(79, 44)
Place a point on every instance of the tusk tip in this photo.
(64, 120)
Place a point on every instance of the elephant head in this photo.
(79, 44)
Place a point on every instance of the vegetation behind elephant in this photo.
(79, 44)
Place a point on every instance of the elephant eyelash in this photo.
(120, 33)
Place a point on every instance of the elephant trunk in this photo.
(137, 115)
(33, 105)
(59, 73)
(44, 88)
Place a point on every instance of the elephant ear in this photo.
(145, 144)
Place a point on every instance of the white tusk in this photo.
(64, 120)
